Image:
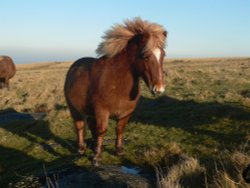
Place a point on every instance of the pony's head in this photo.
(149, 62)
(144, 43)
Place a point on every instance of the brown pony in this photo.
(7, 71)
(96, 89)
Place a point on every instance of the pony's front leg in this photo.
(101, 129)
(119, 135)
(79, 126)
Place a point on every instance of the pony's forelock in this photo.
(116, 39)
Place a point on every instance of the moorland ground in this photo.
(197, 133)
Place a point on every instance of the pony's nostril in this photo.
(154, 90)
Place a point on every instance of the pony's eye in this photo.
(164, 53)
(145, 58)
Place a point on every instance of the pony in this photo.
(7, 71)
(97, 89)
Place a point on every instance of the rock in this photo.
(105, 176)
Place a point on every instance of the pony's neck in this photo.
(125, 65)
(132, 69)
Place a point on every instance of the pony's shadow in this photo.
(35, 131)
(191, 116)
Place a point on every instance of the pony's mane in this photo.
(116, 39)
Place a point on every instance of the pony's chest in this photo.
(118, 97)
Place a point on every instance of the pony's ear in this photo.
(141, 40)
(138, 42)
(165, 33)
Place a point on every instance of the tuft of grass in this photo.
(228, 171)
(178, 170)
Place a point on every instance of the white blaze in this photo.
(157, 53)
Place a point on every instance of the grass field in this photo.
(195, 135)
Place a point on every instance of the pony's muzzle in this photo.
(158, 89)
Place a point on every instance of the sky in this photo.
(60, 30)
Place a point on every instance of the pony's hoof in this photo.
(81, 151)
(95, 163)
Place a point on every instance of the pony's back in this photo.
(79, 66)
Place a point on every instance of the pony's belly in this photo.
(123, 110)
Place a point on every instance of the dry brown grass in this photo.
(36, 87)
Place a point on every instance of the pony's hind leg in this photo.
(119, 135)
(7, 83)
(79, 126)
(2, 83)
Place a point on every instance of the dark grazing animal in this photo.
(99, 88)
(7, 71)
